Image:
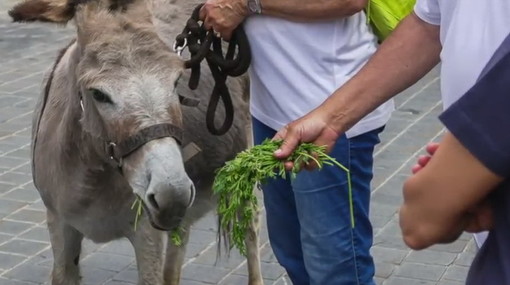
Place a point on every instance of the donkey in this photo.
(109, 127)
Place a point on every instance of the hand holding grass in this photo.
(316, 127)
(235, 181)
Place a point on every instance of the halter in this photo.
(117, 151)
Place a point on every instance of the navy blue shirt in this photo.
(480, 120)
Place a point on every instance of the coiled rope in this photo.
(203, 44)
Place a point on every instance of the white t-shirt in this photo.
(471, 31)
(296, 66)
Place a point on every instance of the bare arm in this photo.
(305, 10)
(443, 198)
(223, 16)
(407, 55)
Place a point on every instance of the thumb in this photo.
(202, 14)
(290, 142)
(281, 134)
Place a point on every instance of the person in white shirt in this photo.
(462, 34)
(301, 52)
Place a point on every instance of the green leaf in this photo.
(234, 184)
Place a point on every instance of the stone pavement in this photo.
(26, 51)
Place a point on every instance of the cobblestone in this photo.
(26, 51)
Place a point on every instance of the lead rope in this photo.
(199, 42)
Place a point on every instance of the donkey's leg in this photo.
(66, 246)
(175, 257)
(150, 247)
(253, 252)
(252, 238)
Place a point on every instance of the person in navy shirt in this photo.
(465, 184)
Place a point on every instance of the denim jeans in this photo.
(308, 217)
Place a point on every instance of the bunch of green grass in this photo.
(139, 209)
(175, 235)
(235, 181)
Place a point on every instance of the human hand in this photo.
(313, 128)
(476, 220)
(424, 159)
(480, 218)
(223, 16)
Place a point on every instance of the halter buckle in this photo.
(179, 48)
(111, 153)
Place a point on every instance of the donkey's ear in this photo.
(55, 11)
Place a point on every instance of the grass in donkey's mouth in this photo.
(175, 235)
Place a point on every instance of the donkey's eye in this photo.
(100, 96)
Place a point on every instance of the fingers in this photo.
(423, 160)
(226, 35)
(281, 134)
(289, 165)
(279, 153)
(291, 139)
(321, 140)
(221, 17)
(208, 22)
(208, 17)
(432, 147)
(202, 14)
(481, 219)
(310, 166)
(210, 25)
(289, 144)
(218, 30)
(416, 168)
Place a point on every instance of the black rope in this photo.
(199, 42)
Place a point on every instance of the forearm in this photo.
(438, 199)
(402, 59)
(305, 10)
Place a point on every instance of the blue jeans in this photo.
(308, 218)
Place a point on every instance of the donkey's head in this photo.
(126, 78)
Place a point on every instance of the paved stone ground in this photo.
(26, 51)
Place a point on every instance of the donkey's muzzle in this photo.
(167, 204)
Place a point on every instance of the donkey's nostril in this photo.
(152, 201)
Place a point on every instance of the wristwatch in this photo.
(254, 7)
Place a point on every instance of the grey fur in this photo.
(127, 56)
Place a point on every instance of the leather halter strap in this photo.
(118, 151)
